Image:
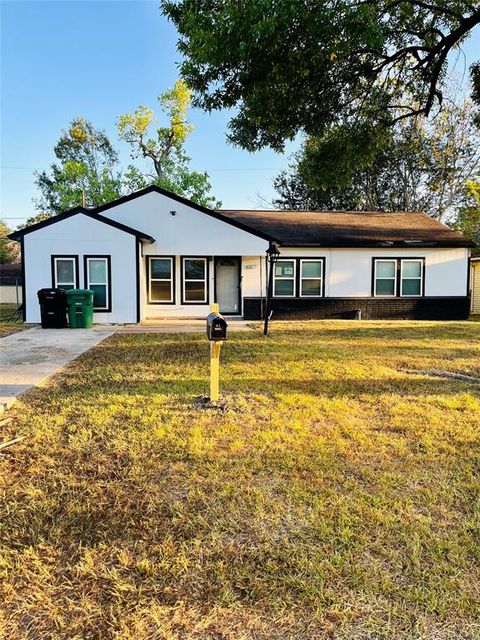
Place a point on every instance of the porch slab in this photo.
(30, 357)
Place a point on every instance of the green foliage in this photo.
(336, 70)
(9, 250)
(85, 174)
(164, 147)
(422, 165)
(468, 218)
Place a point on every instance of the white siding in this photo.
(253, 276)
(81, 235)
(476, 286)
(349, 271)
(8, 294)
(188, 232)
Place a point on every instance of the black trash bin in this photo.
(53, 308)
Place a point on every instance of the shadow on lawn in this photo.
(183, 390)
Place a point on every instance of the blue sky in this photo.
(99, 59)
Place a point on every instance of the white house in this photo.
(153, 254)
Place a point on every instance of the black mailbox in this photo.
(216, 327)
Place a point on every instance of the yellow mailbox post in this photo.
(217, 334)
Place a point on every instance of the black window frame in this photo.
(108, 258)
(398, 278)
(70, 256)
(297, 280)
(173, 279)
(207, 280)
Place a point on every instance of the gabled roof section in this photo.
(96, 215)
(351, 228)
(218, 215)
(91, 213)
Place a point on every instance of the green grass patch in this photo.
(333, 497)
(8, 326)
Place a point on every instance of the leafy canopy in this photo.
(425, 167)
(85, 173)
(333, 69)
(163, 145)
(468, 219)
(9, 250)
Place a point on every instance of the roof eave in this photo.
(380, 245)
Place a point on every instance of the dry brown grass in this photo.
(335, 497)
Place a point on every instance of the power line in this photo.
(207, 170)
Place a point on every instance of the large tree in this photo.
(163, 147)
(9, 250)
(326, 68)
(468, 217)
(424, 167)
(85, 172)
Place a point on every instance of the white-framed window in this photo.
(411, 277)
(284, 272)
(97, 278)
(161, 287)
(65, 272)
(194, 280)
(311, 278)
(385, 277)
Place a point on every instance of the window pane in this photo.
(100, 295)
(386, 269)
(97, 271)
(65, 271)
(412, 269)
(284, 269)
(66, 287)
(283, 288)
(161, 268)
(160, 291)
(194, 269)
(385, 288)
(195, 291)
(311, 269)
(411, 287)
(311, 287)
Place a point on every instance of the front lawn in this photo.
(335, 496)
(8, 326)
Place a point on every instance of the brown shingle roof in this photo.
(350, 228)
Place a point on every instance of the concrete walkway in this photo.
(29, 357)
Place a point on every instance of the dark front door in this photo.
(227, 284)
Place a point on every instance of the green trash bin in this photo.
(80, 308)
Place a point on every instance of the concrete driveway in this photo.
(29, 357)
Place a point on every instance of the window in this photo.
(311, 278)
(97, 278)
(195, 280)
(411, 277)
(385, 278)
(284, 278)
(65, 272)
(398, 277)
(160, 280)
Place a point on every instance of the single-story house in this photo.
(475, 284)
(153, 254)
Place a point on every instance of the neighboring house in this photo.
(475, 286)
(10, 283)
(153, 254)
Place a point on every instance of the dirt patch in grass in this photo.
(333, 496)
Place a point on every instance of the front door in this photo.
(227, 284)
